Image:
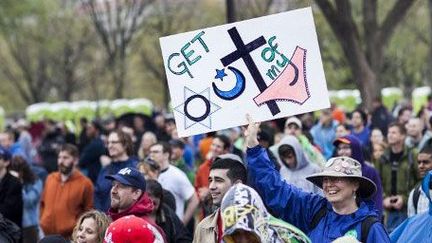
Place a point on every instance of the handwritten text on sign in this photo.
(269, 67)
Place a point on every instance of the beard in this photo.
(65, 170)
(114, 203)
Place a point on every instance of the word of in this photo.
(268, 54)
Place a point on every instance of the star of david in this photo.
(185, 107)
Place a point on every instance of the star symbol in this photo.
(220, 73)
(203, 102)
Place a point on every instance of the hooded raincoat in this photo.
(299, 208)
(296, 176)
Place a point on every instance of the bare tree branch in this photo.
(15, 81)
(365, 63)
(117, 22)
(393, 18)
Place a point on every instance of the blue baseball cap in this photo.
(5, 154)
(129, 176)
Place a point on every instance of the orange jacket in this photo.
(204, 146)
(201, 178)
(63, 203)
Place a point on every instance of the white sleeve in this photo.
(187, 190)
(410, 207)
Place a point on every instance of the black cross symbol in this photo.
(243, 51)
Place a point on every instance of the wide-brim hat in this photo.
(345, 167)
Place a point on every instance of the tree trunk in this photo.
(230, 11)
(117, 68)
(363, 74)
(367, 84)
(166, 93)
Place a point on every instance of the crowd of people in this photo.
(332, 176)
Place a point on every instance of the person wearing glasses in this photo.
(350, 146)
(120, 149)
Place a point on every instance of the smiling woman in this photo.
(343, 211)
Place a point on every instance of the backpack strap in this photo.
(416, 196)
(317, 217)
(366, 225)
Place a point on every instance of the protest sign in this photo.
(269, 67)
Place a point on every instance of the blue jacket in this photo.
(362, 136)
(417, 228)
(31, 194)
(324, 137)
(102, 197)
(298, 208)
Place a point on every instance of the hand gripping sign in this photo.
(269, 67)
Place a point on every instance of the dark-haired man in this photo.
(360, 130)
(221, 144)
(398, 175)
(225, 171)
(295, 166)
(67, 194)
(417, 201)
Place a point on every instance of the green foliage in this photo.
(407, 53)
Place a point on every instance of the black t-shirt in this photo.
(394, 159)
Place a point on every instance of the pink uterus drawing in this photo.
(285, 87)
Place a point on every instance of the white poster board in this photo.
(269, 67)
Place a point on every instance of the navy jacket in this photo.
(298, 208)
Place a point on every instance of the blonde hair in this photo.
(102, 222)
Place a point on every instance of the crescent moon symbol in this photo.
(236, 91)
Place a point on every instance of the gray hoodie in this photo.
(297, 176)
